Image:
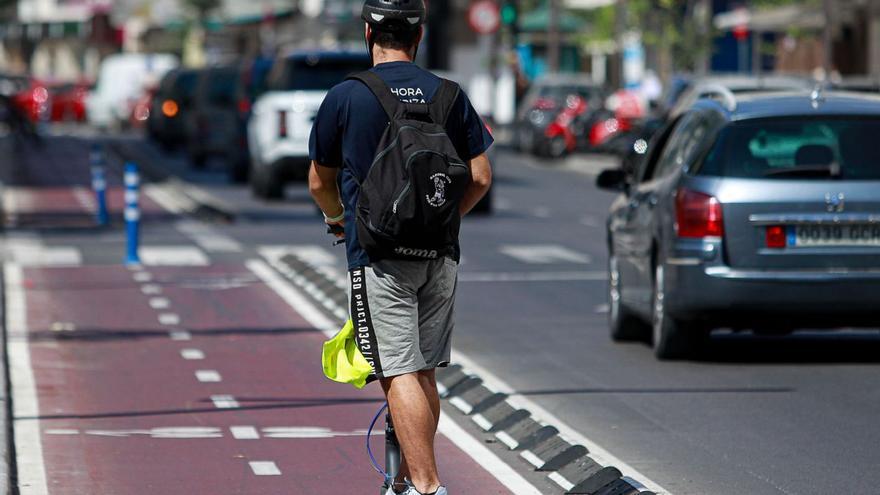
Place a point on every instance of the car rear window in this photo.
(797, 148)
(222, 86)
(320, 74)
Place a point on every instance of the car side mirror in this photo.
(613, 179)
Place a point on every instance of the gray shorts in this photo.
(403, 314)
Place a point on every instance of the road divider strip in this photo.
(543, 441)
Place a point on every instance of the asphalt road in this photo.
(755, 415)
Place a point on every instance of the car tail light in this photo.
(40, 94)
(282, 123)
(776, 237)
(170, 108)
(698, 215)
(244, 106)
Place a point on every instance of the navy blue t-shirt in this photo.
(351, 122)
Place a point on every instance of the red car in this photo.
(69, 102)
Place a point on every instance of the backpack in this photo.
(408, 206)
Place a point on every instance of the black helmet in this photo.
(392, 15)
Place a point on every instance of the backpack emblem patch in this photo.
(439, 197)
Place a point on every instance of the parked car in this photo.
(170, 105)
(279, 128)
(212, 125)
(68, 101)
(757, 212)
(545, 101)
(122, 79)
(713, 86)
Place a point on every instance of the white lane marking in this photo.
(559, 480)
(542, 212)
(10, 206)
(317, 255)
(482, 422)
(61, 431)
(85, 198)
(173, 256)
(461, 405)
(169, 319)
(264, 468)
(244, 433)
(28, 250)
(468, 444)
(543, 254)
(142, 276)
(224, 402)
(173, 432)
(310, 288)
(602, 309)
(532, 458)
(508, 440)
(298, 432)
(208, 376)
(485, 457)
(293, 297)
(62, 326)
(591, 221)
(25, 403)
(180, 335)
(208, 238)
(573, 276)
(151, 289)
(174, 203)
(159, 303)
(192, 354)
(542, 415)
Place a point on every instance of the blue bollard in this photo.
(132, 213)
(99, 184)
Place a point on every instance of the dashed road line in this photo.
(224, 402)
(208, 376)
(208, 238)
(544, 254)
(159, 303)
(180, 335)
(264, 468)
(169, 319)
(173, 256)
(142, 276)
(151, 289)
(192, 354)
(244, 433)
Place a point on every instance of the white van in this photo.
(122, 79)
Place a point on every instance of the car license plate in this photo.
(834, 235)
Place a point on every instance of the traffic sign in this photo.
(484, 17)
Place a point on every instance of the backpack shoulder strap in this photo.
(390, 103)
(443, 101)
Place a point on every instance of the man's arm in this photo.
(481, 179)
(322, 186)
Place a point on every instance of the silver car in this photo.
(759, 212)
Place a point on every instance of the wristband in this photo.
(335, 219)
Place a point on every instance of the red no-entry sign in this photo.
(484, 16)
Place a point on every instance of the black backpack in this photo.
(409, 201)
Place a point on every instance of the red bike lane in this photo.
(187, 380)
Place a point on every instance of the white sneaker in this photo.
(412, 491)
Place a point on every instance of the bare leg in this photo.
(428, 383)
(415, 422)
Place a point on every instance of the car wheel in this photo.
(672, 338)
(557, 147)
(624, 325)
(265, 184)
